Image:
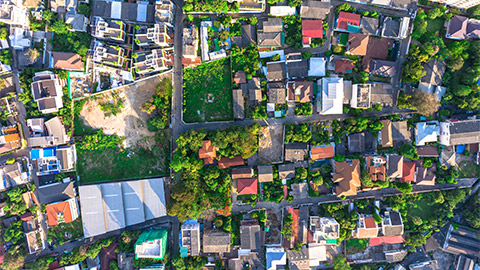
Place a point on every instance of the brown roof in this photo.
(425, 177)
(395, 166)
(265, 173)
(378, 47)
(230, 162)
(67, 61)
(300, 91)
(322, 152)
(357, 43)
(216, 241)
(378, 171)
(347, 175)
(295, 152)
(386, 131)
(369, 231)
(240, 77)
(241, 173)
(457, 27)
(286, 171)
(427, 151)
(207, 152)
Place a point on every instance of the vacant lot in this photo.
(270, 148)
(207, 92)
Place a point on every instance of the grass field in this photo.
(207, 92)
(435, 25)
(467, 169)
(423, 209)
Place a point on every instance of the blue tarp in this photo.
(460, 149)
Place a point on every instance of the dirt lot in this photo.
(131, 121)
(271, 144)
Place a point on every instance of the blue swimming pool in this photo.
(35, 154)
(49, 152)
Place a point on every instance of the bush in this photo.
(427, 163)
(218, 222)
(408, 151)
(306, 55)
(157, 123)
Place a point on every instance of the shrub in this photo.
(427, 163)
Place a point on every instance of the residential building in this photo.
(448, 158)
(12, 175)
(300, 91)
(408, 172)
(105, 54)
(386, 134)
(190, 42)
(238, 104)
(190, 239)
(325, 230)
(56, 192)
(216, 241)
(367, 227)
(427, 151)
(311, 29)
(434, 69)
(320, 152)
(249, 36)
(363, 142)
(395, 28)
(315, 9)
(297, 69)
(348, 22)
(298, 260)
(153, 61)
(225, 162)
(77, 21)
(254, 91)
(401, 133)
(47, 92)
(376, 168)
(247, 186)
(276, 93)
(299, 190)
(425, 177)
(270, 34)
(238, 173)
(114, 30)
(13, 13)
(382, 93)
(164, 12)
(207, 152)
(331, 96)
(462, 4)
(347, 175)
(265, 173)
(66, 61)
(286, 171)
(433, 265)
(63, 6)
(55, 135)
(460, 132)
(395, 166)
(317, 254)
(465, 263)
(427, 132)
(52, 160)
(276, 71)
(382, 68)
(369, 26)
(295, 152)
(62, 212)
(460, 27)
(124, 204)
(361, 96)
(153, 36)
(276, 258)
(250, 235)
(34, 241)
(239, 258)
(344, 66)
(317, 67)
(392, 224)
(357, 44)
(9, 139)
(461, 240)
(151, 244)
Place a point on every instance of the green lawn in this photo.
(467, 169)
(207, 92)
(435, 25)
(356, 245)
(423, 209)
(65, 232)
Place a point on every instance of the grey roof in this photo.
(276, 71)
(400, 133)
(369, 26)
(129, 11)
(56, 129)
(113, 206)
(296, 151)
(457, 27)
(269, 39)
(62, 155)
(462, 240)
(238, 104)
(298, 260)
(134, 211)
(216, 241)
(56, 192)
(397, 226)
(361, 142)
(91, 202)
(395, 166)
(276, 93)
(272, 25)
(382, 93)
(265, 173)
(286, 171)
(77, 21)
(154, 198)
(391, 28)
(300, 190)
(315, 9)
(434, 72)
(382, 68)
(427, 151)
(46, 103)
(250, 237)
(297, 69)
(394, 256)
(464, 132)
(249, 34)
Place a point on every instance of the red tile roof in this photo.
(207, 152)
(341, 66)
(56, 209)
(322, 152)
(346, 18)
(408, 171)
(230, 162)
(311, 29)
(247, 186)
(370, 223)
(393, 239)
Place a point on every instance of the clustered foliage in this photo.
(159, 106)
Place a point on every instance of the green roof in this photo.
(331, 241)
(154, 235)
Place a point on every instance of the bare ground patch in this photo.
(271, 144)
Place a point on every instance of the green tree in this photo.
(85, 9)
(294, 3)
(306, 55)
(14, 258)
(435, 13)
(340, 263)
(415, 240)
(409, 151)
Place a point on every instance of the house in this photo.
(347, 175)
(276, 71)
(106, 54)
(331, 96)
(207, 152)
(164, 12)
(62, 212)
(216, 241)
(238, 104)
(9, 139)
(238, 258)
(427, 132)
(295, 152)
(357, 44)
(317, 67)
(300, 191)
(315, 9)
(34, 240)
(361, 142)
(12, 175)
(247, 186)
(461, 240)
(392, 223)
(382, 68)
(325, 230)
(152, 36)
(249, 36)
(239, 77)
(190, 239)
(311, 29)
(250, 235)
(386, 135)
(348, 22)
(190, 42)
(460, 27)
(408, 172)
(242, 173)
(151, 244)
(460, 132)
(56, 192)
(51, 160)
(369, 26)
(427, 151)
(276, 93)
(271, 33)
(366, 227)
(376, 168)
(298, 260)
(149, 62)
(317, 254)
(254, 91)
(400, 133)
(465, 263)
(56, 134)
(66, 61)
(448, 158)
(225, 162)
(286, 171)
(276, 258)
(78, 22)
(300, 91)
(297, 69)
(434, 69)
(424, 265)
(425, 177)
(382, 93)
(63, 6)
(114, 30)
(344, 66)
(124, 204)
(47, 92)
(320, 152)
(14, 13)
(361, 96)
(265, 173)
(395, 166)
(395, 28)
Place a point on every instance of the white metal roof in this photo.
(113, 201)
(154, 198)
(142, 11)
(92, 210)
(317, 67)
(133, 202)
(116, 10)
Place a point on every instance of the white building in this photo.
(463, 4)
(426, 132)
(331, 96)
